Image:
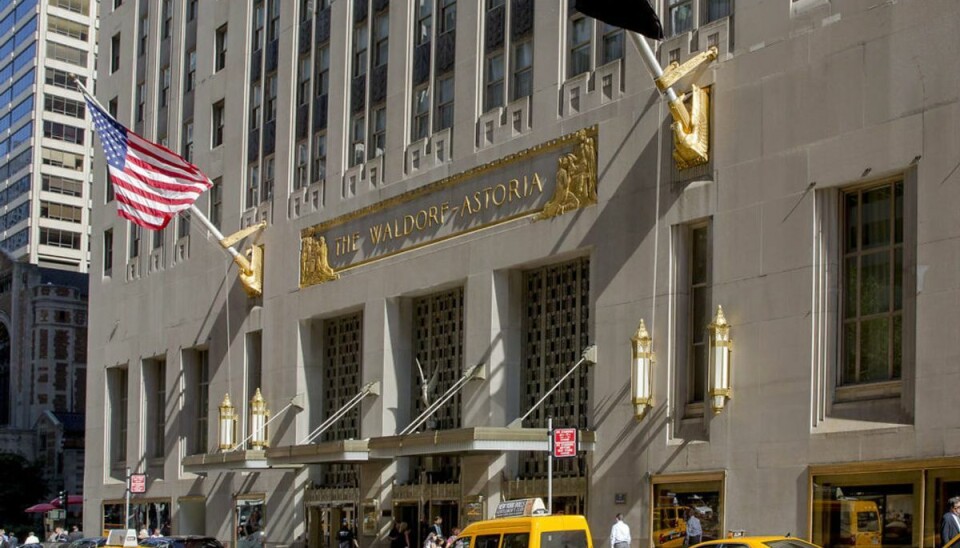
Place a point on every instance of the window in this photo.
(62, 79)
(141, 100)
(444, 118)
(192, 6)
(117, 387)
(359, 50)
(675, 495)
(873, 294)
(253, 185)
(579, 34)
(268, 172)
(135, 233)
(158, 236)
(253, 362)
(611, 46)
(59, 238)
(215, 212)
(681, 16)
(303, 80)
(183, 225)
(189, 80)
(167, 15)
(381, 29)
(448, 16)
(62, 105)
(695, 272)
(188, 141)
(144, 30)
(61, 185)
(117, 3)
(156, 407)
(201, 379)
(319, 156)
(421, 113)
(323, 70)
(60, 212)
(271, 98)
(301, 177)
(522, 85)
(113, 106)
(108, 252)
(358, 137)
(218, 122)
(220, 48)
(424, 22)
(273, 30)
(378, 131)
(65, 27)
(258, 16)
(63, 132)
(164, 86)
(718, 9)
(59, 158)
(256, 98)
(493, 92)
(115, 53)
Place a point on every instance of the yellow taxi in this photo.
(526, 524)
(758, 542)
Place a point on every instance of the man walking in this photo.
(950, 523)
(694, 530)
(619, 533)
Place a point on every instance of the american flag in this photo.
(151, 182)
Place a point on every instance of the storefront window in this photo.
(145, 517)
(866, 509)
(250, 523)
(678, 499)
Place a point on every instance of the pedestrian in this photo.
(32, 539)
(404, 535)
(431, 540)
(619, 533)
(452, 539)
(394, 535)
(694, 530)
(436, 526)
(12, 540)
(75, 534)
(345, 537)
(950, 523)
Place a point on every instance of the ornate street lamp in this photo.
(720, 344)
(641, 391)
(258, 421)
(228, 424)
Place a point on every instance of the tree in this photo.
(22, 486)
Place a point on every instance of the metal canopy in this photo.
(225, 462)
(331, 452)
(469, 441)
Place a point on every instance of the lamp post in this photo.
(720, 343)
(228, 424)
(258, 421)
(641, 391)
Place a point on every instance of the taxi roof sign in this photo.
(122, 537)
(521, 508)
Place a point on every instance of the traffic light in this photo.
(62, 496)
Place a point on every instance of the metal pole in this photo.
(649, 59)
(126, 504)
(550, 465)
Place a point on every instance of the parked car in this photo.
(758, 542)
(188, 541)
(88, 542)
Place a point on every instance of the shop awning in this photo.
(469, 441)
(234, 460)
(40, 508)
(330, 452)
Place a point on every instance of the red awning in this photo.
(71, 501)
(40, 508)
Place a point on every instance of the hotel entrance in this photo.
(326, 510)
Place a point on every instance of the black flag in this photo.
(635, 15)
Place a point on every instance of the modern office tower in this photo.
(45, 144)
(461, 198)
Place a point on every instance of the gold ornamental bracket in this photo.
(250, 262)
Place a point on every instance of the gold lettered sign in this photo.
(542, 182)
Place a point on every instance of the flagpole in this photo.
(237, 257)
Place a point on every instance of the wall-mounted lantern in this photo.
(228, 424)
(720, 344)
(641, 387)
(258, 421)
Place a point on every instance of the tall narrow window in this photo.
(580, 32)
(444, 118)
(218, 120)
(258, 25)
(202, 380)
(115, 53)
(268, 173)
(192, 6)
(681, 16)
(144, 30)
(303, 80)
(522, 85)
(183, 225)
(873, 295)
(273, 29)
(220, 49)
(378, 131)
(189, 80)
(381, 29)
(319, 156)
(421, 113)
(360, 50)
(108, 252)
(216, 202)
(717, 9)
(117, 386)
(155, 379)
(271, 110)
(135, 233)
(699, 316)
(358, 137)
(323, 70)
(301, 175)
(254, 365)
(493, 89)
(141, 100)
(188, 141)
(424, 31)
(256, 98)
(611, 46)
(253, 185)
(166, 11)
(164, 86)
(448, 16)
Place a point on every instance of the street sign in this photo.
(138, 483)
(564, 442)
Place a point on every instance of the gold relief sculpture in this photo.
(576, 178)
(692, 139)
(314, 265)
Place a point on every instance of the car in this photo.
(758, 542)
(187, 541)
(88, 542)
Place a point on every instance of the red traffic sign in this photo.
(138, 483)
(564, 442)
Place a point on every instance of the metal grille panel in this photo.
(438, 343)
(555, 328)
(343, 347)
